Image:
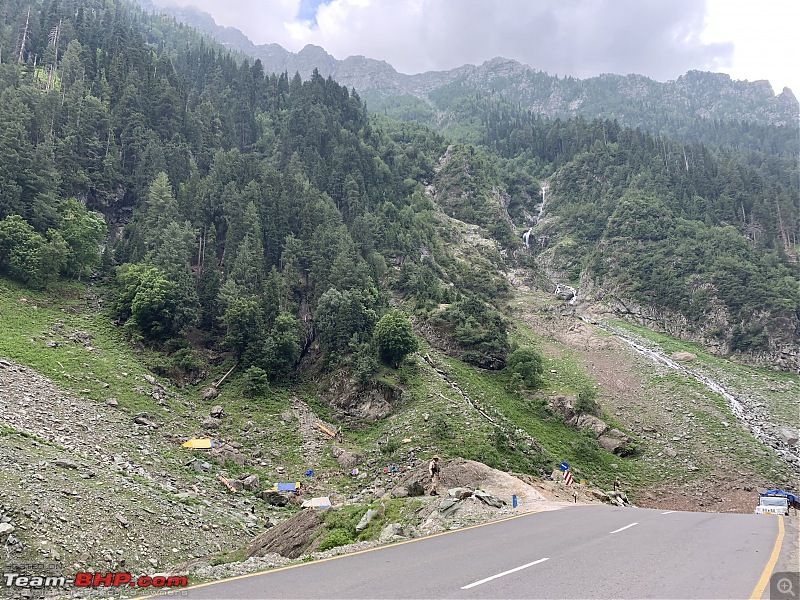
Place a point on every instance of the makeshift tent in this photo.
(322, 502)
(286, 487)
(203, 443)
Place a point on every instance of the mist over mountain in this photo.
(633, 100)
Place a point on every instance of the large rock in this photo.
(365, 520)
(250, 483)
(460, 493)
(614, 441)
(788, 435)
(65, 463)
(345, 458)
(488, 499)
(684, 356)
(447, 506)
(393, 531)
(274, 498)
(210, 393)
(416, 488)
(210, 423)
(218, 412)
(290, 538)
(598, 426)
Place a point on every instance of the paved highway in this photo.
(579, 552)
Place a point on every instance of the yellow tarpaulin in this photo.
(198, 443)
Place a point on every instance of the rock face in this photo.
(290, 538)
(350, 398)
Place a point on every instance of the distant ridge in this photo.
(631, 99)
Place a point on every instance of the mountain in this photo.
(191, 246)
(632, 100)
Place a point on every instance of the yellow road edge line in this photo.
(773, 558)
(322, 560)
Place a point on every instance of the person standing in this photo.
(433, 472)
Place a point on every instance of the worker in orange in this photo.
(433, 472)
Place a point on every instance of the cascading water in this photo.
(526, 237)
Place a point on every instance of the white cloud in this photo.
(658, 38)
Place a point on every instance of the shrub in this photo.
(255, 382)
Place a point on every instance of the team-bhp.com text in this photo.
(95, 580)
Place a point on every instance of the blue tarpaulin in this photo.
(287, 487)
(791, 498)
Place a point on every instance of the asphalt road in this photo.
(580, 552)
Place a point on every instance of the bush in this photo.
(586, 403)
(524, 366)
(395, 337)
(255, 382)
(335, 538)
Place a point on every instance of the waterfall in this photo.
(526, 237)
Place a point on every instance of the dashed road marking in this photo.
(472, 585)
(624, 528)
(668, 512)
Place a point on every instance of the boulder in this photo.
(788, 435)
(144, 419)
(400, 492)
(614, 441)
(65, 463)
(290, 538)
(250, 483)
(488, 499)
(217, 412)
(345, 458)
(600, 495)
(416, 488)
(459, 493)
(447, 506)
(598, 426)
(210, 423)
(684, 356)
(365, 520)
(392, 531)
(209, 393)
(274, 498)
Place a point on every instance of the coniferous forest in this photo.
(260, 214)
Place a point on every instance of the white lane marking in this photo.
(536, 562)
(669, 512)
(624, 528)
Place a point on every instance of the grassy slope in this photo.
(431, 413)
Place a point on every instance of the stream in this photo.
(753, 417)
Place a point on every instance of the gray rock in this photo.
(416, 488)
(150, 379)
(250, 483)
(391, 532)
(122, 521)
(209, 393)
(210, 423)
(274, 498)
(144, 419)
(488, 499)
(65, 463)
(447, 506)
(400, 492)
(345, 458)
(112, 402)
(460, 493)
(6, 529)
(217, 412)
(788, 435)
(592, 423)
(365, 520)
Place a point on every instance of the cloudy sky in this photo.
(659, 38)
